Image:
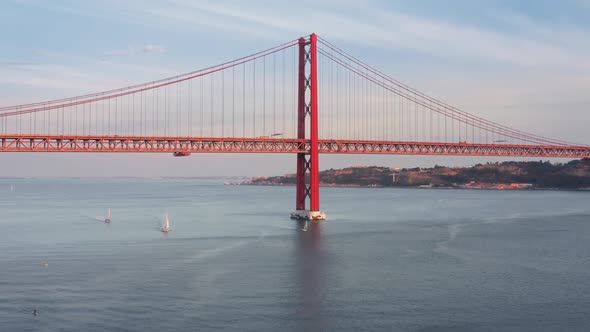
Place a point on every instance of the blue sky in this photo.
(523, 63)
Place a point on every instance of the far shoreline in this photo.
(408, 187)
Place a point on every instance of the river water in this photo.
(387, 259)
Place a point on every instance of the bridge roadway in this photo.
(182, 146)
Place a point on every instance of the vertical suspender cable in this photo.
(274, 92)
(264, 96)
(233, 103)
(254, 98)
(244, 100)
(211, 110)
(223, 103)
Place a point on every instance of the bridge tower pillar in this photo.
(308, 163)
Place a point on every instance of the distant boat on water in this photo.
(166, 227)
(11, 188)
(108, 218)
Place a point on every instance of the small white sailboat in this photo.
(108, 218)
(166, 227)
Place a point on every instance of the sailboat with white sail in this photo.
(107, 220)
(166, 227)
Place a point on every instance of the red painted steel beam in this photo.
(301, 169)
(186, 145)
(314, 135)
(452, 149)
(156, 144)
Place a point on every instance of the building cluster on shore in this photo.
(498, 186)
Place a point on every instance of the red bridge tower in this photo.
(308, 163)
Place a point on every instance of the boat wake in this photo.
(95, 218)
(455, 229)
(213, 252)
(443, 246)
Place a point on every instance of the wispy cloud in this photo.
(377, 24)
(134, 50)
(54, 81)
(56, 77)
(533, 45)
(116, 53)
(152, 48)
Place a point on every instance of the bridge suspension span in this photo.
(306, 97)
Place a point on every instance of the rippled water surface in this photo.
(387, 259)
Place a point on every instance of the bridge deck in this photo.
(186, 145)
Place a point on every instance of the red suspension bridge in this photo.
(305, 97)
